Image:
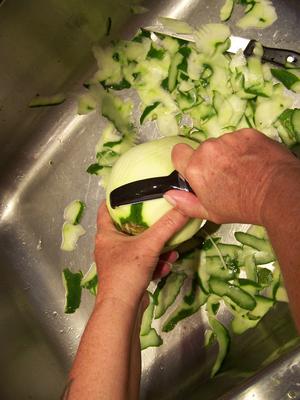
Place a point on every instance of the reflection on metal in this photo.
(180, 9)
(8, 210)
(280, 380)
(44, 155)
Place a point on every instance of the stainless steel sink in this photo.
(46, 48)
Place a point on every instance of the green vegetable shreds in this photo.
(72, 285)
(44, 101)
(154, 92)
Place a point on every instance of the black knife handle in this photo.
(275, 56)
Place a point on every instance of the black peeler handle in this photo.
(147, 189)
(279, 57)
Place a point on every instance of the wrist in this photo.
(116, 304)
(282, 194)
(121, 294)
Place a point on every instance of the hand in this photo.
(232, 176)
(126, 264)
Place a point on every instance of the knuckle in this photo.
(169, 222)
(209, 148)
(177, 152)
(248, 133)
(192, 171)
(229, 136)
(209, 144)
(246, 130)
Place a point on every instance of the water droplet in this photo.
(61, 331)
(55, 314)
(39, 244)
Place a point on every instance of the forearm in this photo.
(135, 358)
(282, 220)
(103, 363)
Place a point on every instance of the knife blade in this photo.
(275, 56)
(147, 189)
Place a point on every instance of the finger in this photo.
(144, 302)
(164, 264)
(162, 270)
(163, 229)
(187, 203)
(181, 155)
(104, 220)
(169, 256)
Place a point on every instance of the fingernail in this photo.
(176, 255)
(170, 200)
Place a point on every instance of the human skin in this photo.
(108, 362)
(240, 177)
(246, 177)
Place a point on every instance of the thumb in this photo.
(181, 155)
(187, 203)
(163, 229)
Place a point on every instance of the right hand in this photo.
(231, 176)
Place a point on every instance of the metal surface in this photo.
(45, 48)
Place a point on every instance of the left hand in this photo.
(126, 264)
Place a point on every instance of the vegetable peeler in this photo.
(147, 189)
(275, 56)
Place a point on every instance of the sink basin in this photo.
(44, 155)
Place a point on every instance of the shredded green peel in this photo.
(44, 101)
(199, 91)
(72, 285)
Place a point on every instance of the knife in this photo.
(147, 189)
(273, 55)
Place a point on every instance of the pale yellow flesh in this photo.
(147, 161)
